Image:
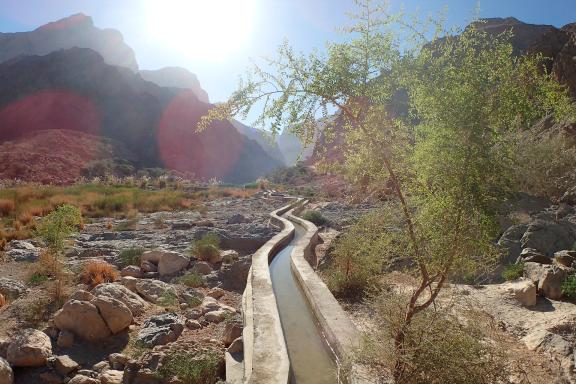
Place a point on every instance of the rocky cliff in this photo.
(176, 77)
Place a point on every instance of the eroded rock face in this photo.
(119, 292)
(161, 329)
(83, 319)
(29, 348)
(548, 236)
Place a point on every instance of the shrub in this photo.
(192, 280)
(315, 217)
(38, 278)
(6, 207)
(438, 348)
(98, 272)
(58, 225)
(168, 299)
(192, 368)
(130, 256)
(569, 287)
(513, 272)
(207, 247)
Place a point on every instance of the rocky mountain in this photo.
(267, 143)
(74, 31)
(77, 90)
(176, 77)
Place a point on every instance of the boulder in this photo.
(548, 279)
(237, 218)
(565, 258)
(172, 262)
(81, 379)
(193, 314)
(119, 292)
(83, 319)
(65, 339)
(229, 256)
(82, 295)
(6, 374)
(193, 324)
(111, 377)
(160, 330)
(11, 289)
(118, 361)
(209, 304)
(523, 291)
(29, 348)
(216, 293)
(235, 275)
(129, 282)
(548, 236)
(533, 256)
(192, 297)
(154, 290)
(233, 330)
(148, 267)
(202, 268)
(64, 365)
(216, 316)
(132, 271)
(114, 312)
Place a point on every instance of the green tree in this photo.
(447, 161)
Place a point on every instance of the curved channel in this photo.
(311, 360)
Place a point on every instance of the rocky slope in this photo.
(176, 77)
(76, 90)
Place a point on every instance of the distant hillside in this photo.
(55, 156)
(267, 143)
(178, 78)
(74, 31)
(76, 90)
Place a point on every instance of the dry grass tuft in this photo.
(6, 207)
(98, 272)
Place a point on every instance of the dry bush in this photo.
(6, 207)
(2, 300)
(439, 347)
(98, 272)
(25, 218)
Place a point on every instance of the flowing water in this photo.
(311, 360)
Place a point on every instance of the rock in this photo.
(193, 314)
(193, 324)
(215, 316)
(21, 244)
(216, 293)
(202, 268)
(524, 292)
(112, 377)
(64, 365)
(229, 256)
(533, 256)
(131, 271)
(65, 339)
(233, 330)
(549, 236)
(114, 312)
(234, 276)
(172, 262)
(236, 346)
(205, 223)
(209, 304)
(82, 295)
(546, 341)
(23, 255)
(161, 329)
(565, 258)
(129, 282)
(147, 266)
(237, 219)
(83, 319)
(119, 292)
(192, 297)
(101, 366)
(547, 277)
(6, 374)
(11, 289)
(154, 290)
(81, 379)
(4, 344)
(50, 378)
(118, 361)
(29, 348)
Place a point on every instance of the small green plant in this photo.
(513, 272)
(168, 299)
(192, 368)
(315, 217)
(192, 280)
(58, 225)
(207, 248)
(130, 256)
(569, 287)
(38, 278)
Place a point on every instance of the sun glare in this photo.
(202, 29)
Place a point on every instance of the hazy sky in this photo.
(176, 32)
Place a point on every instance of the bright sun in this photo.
(202, 29)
